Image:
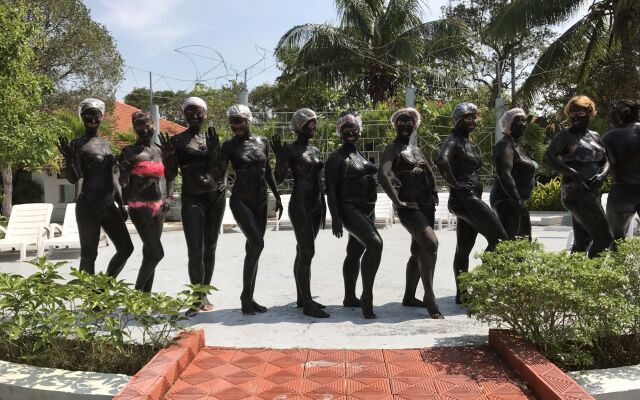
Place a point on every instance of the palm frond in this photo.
(399, 16)
(298, 36)
(359, 15)
(441, 38)
(521, 15)
(560, 54)
(595, 45)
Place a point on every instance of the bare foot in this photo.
(351, 302)
(315, 312)
(191, 312)
(258, 308)
(413, 303)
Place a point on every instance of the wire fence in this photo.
(377, 132)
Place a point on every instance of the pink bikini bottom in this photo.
(155, 206)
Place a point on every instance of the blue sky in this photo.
(148, 31)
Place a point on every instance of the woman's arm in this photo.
(504, 154)
(170, 161)
(385, 176)
(552, 155)
(445, 158)
(271, 182)
(331, 181)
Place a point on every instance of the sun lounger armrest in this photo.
(53, 228)
(45, 231)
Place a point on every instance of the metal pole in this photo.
(150, 93)
(409, 101)
(499, 108)
(513, 79)
(243, 97)
(155, 117)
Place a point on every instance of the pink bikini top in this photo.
(148, 168)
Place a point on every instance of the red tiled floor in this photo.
(460, 373)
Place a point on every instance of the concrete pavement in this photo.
(284, 325)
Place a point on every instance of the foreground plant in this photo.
(580, 312)
(92, 322)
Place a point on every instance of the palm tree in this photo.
(609, 28)
(371, 49)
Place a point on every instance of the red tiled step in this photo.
(460, 373)
(544, 377)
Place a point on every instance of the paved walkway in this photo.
(284, 325)
(461, 373)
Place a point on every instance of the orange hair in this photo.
(581, 101)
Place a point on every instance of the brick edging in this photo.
(547, 381)
(157, 376)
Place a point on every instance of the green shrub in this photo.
(580, 312)
(4, 221)
(91, 323)
(546, 197)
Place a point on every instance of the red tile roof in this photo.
(121, 119)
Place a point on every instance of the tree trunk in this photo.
(7, 184)
(628, 66)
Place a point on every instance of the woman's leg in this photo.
(88, 220)
(350, 271)
(416, 222)
(590, 224)
(359, 221)
(305, 234)
(149, 228)
(212, 225)
(621, 207)
(251, 219)
(508, 216)
(589, 218)
(465, 239)
(412, 276)
(116, 230)
(193, 225)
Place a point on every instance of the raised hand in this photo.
(213, 140)
(127, 156)
(167, 146)
(276, 144)
(64, 147)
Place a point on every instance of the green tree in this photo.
(218, 101)
(608, 31)
(76, 53)
(169, 102)
(369, 52)
(22, 143)
(495, 62)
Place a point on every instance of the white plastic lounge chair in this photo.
(69, 236)
(27, 227)
(284, 219)
(384, 210)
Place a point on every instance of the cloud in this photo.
(141, 19)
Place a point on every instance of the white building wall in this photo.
(51, 186)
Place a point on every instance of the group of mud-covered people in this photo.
(350, 183)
